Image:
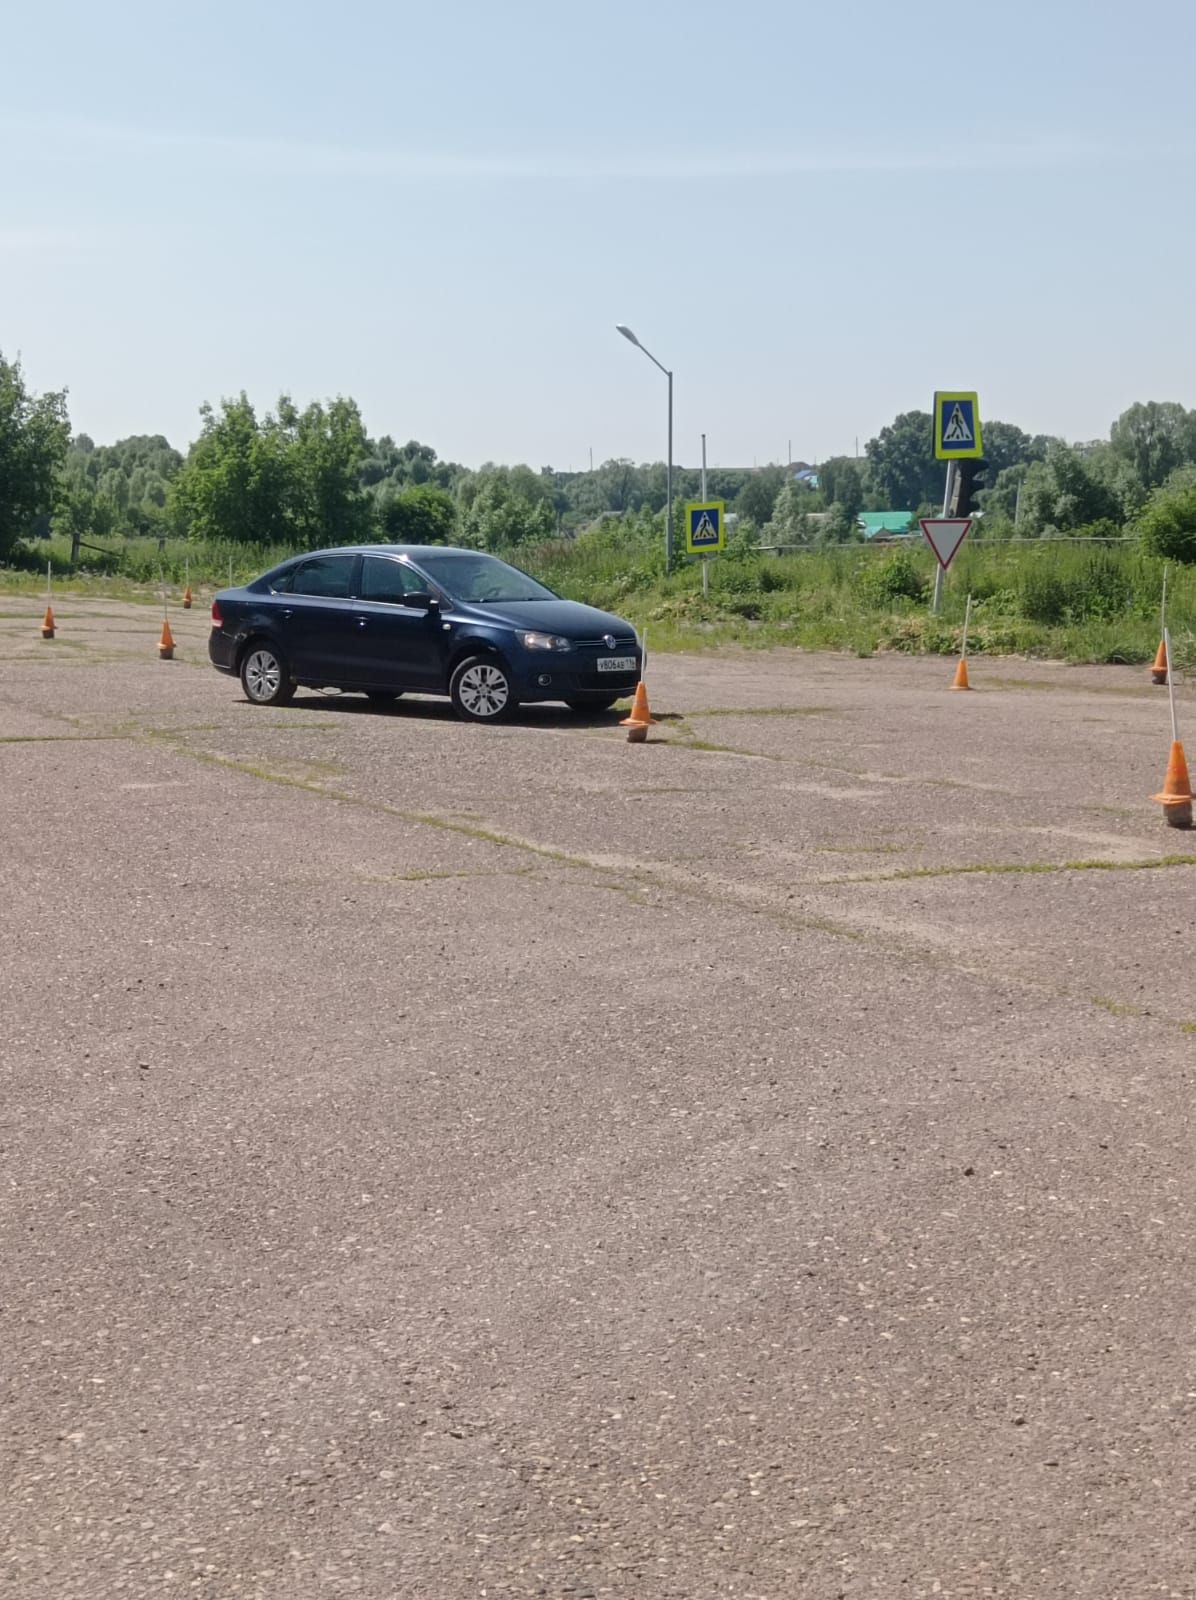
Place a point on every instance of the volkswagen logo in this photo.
(608, 640)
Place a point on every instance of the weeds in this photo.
(1069, 602)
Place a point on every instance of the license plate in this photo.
(616, 663)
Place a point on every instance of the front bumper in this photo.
(562, 677)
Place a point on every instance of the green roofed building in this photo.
(885, 524)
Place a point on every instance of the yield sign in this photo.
(944, 535)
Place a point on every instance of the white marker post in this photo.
(967, 617)
(1170, 687)
(952, 469)
(705, 559)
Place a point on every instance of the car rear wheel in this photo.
(264, 675)
(593, 702)
(482, 690)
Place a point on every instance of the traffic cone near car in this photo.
(1176, 798)
(48, 623)
(166, 642)
(1158, 673)
(961, 675)
(640, 718)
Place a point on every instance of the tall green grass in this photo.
(1076, 602)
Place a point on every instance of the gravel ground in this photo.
(448, 1162)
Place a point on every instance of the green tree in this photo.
(758, 497)
(1007, 446)
(1062, 492)
(34, 434)
(1168, 524)
(842, 479)
(236, 482)
(790, 521)
(505, 506)
(422, 514)
(325, 448)
(1154, 439)
(904, 469)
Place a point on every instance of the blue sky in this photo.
(816, 214)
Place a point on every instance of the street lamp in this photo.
(668, 480)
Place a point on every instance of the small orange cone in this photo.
(961, 675)
(166, 642)
(48, 623)
(640, 718)
(1158, 673)
(1176, 798)
(187, 598)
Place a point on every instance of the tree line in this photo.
(313, 476)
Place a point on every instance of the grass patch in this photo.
(1117, 1008)
(1069, 602)
(998, 868)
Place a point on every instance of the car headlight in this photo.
(544, 641)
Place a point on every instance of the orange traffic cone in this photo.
(1176, 798)
(166, 642)
(48, 623)
(1158, 673)
(187, 598)
(961, 675)
(640, 718)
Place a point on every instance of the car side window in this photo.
(326, 576)
(281, 584)
(388, 581)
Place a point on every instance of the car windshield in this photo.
(477, 579)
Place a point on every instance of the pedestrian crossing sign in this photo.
(957, 426)
(705, 526)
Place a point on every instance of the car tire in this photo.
(482, 690)
(382, 697)
(592, 703)
(265, 676)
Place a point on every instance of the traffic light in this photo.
(969, 481)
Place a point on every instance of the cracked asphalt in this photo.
(454, 1162)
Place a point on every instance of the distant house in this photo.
(883, 526)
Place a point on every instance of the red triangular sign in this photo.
(944, 535)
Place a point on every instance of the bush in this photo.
(894, 578)
(1168, 524)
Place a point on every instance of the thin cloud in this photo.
(306, 158)
(24, 242)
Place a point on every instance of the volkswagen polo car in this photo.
(429, 619)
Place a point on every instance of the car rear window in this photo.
(327, 576)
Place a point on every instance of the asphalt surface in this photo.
(444, 1162)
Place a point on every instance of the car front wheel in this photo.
(264, 676)
(482, 690)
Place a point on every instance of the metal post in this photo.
(668, 486)
(936, 604)
(621, 327)
(705, 559)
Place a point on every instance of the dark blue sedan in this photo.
(386, 618)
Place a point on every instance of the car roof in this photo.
(412, 550)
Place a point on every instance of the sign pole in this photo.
(705, 559)
(952, 469)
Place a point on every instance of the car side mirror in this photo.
(421, 600)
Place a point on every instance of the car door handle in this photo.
(286, 614)
(363, 622)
